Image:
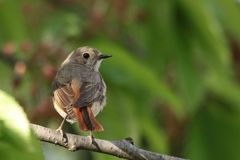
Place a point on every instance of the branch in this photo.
(122, 148)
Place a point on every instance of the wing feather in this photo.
(63, 95)
(90, 92)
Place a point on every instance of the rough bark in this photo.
(121, 148)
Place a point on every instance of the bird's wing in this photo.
(66, 85)
(62, 93)
(63, 98)
(91, 91)
(80, 91)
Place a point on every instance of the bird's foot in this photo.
(60, 130)
(61, 126)
(63, 136)
(91, 137)
(93, 141)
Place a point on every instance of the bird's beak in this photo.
(103, 56)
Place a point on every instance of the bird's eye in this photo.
(86, 55)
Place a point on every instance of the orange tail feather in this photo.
(86, 119)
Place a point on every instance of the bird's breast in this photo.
(100, 103)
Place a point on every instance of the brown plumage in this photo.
(79, 90)
(86, 119)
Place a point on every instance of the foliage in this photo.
(172, 81)
(17, 141)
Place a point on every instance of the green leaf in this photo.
(214, 134)
(209, 33)
(16, 138)
(155, 136)
(225, 88)
(161, 34)
(12, 21)
(229, 11)
(189, 81)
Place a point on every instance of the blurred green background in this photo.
(173, 80)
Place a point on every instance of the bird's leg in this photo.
(92, 139)
(91, 136)
(59, 129)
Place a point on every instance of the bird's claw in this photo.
(91, 137)
(60, 131)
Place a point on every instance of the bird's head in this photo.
(87, 56)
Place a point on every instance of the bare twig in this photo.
(121, 148)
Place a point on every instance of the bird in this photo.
(78, 89)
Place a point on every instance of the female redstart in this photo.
(78, 90)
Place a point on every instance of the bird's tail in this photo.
(86, 119)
